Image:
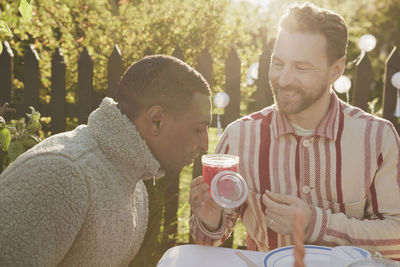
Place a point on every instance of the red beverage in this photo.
(215, 163)
(210, 171)
(227, 186)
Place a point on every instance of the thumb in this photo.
(281, 198)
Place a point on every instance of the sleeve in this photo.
(43, 204)
(202, 236)
(198, 231)
(380, 230)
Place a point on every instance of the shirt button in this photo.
(306, 189)
(306, 143)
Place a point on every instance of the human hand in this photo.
(280, 211)
(203, 206)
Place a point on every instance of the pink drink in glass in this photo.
(210, 171)
(215, 163)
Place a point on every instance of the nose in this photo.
(286, 77)
(203, 144)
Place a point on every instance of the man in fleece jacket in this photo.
(78, 198)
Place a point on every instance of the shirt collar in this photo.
(121, 142)
(327, 128)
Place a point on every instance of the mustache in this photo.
(290, 88)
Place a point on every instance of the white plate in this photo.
(315, 256)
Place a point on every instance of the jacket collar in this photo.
(328, 127)
(122, 144)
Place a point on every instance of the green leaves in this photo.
(4, 28)
(34, 124)
(26, 10)
(18, 136)
(15, 149)
(5, 139)
(30, 140)
(2, 123)
(5, 135)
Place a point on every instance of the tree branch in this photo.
(4, 109)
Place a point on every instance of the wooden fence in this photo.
(88, 100)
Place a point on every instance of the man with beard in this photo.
(310, 151)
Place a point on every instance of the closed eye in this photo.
(302, 68)
(277, 64)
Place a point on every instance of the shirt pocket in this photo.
(351, 209)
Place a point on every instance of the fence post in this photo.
(362, 83)
(85, 86)
(171, 203)
(6, 72)
(232, 87)
(57, 102)
(115, 69)
(178, 53)
(389, 91)
(31, 81)
(205, 67)
(262, 97)
(148, 52)
(6, 75)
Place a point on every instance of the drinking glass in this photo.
(226, 186)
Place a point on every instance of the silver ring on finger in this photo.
(270, 221)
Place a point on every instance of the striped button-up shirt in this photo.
(348, 171)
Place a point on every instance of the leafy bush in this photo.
(18, 136)
(136, 26)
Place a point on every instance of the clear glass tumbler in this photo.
(227, 186)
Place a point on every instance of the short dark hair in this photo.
(159, 80)
(312, 19)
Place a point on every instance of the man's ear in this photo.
(155, 117)
(338, 68)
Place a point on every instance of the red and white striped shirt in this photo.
(348, 171)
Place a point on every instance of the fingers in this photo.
(199, 194)
(280, 209)
(278, 224)
(197, 187)
(273, 207)
(197, 181)
(281, 198)
(277, 214)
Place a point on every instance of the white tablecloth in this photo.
(204, 256)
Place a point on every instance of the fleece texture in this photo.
(77, 198)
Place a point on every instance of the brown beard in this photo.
(306, 99)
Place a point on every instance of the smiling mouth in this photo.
(288, 94)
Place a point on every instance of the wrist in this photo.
(214, 226)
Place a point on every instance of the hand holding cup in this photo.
(227, 186)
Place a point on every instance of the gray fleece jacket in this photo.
(77, 198)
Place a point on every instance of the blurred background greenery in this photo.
(158, 26)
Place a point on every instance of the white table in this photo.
(201, 256)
